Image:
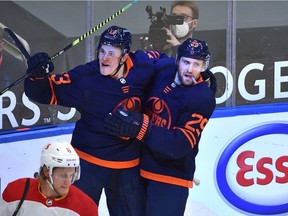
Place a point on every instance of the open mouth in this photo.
(190, 77)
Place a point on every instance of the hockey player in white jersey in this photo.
(52, 192)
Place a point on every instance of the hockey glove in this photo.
(128, 124)
(39, 65)
(210, 79)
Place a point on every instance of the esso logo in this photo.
(252, 171)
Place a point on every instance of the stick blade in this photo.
(17, 42)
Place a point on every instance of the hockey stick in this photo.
(17, 42)
(23, 50)
(11, 48)
(100, 25)
(74, 43)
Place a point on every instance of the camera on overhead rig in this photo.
(157, 36)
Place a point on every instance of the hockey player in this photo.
(52, 193)
(117, 78)
(179, 106)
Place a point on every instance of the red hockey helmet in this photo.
(116, 36)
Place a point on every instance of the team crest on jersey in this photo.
(122, 80)
(159, 112)
(49, 202)
(132, 103)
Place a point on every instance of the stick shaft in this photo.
(14, 83)
(91, 31)
(74, 43)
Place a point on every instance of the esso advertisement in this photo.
(252, 171)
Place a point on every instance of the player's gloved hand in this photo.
(210, 79)
(39, 65)
(128, 124)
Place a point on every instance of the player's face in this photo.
(109, 57)
(62, 179)
(189, 69)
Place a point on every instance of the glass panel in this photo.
(247, 40)
(35, 22)
(262, 44)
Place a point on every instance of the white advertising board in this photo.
(242, 165)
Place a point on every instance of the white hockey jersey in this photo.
(75, 203)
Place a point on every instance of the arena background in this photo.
(248, 41)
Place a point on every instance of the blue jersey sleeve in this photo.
(65, 89)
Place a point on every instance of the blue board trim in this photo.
(56, 130)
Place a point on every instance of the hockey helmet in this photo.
(116, 36)
(60, 154)
(196, 49)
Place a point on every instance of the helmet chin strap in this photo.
(119, 65)
(51, 185)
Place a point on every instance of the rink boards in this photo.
(243, 157)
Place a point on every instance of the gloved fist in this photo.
(39, 65)
(128, 124)
(210, 79)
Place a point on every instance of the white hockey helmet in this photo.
(60, 154)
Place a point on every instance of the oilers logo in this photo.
(159, 112)
(132, 103)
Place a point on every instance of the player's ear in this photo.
(45, 171)
(177, 60)
(124, 58)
